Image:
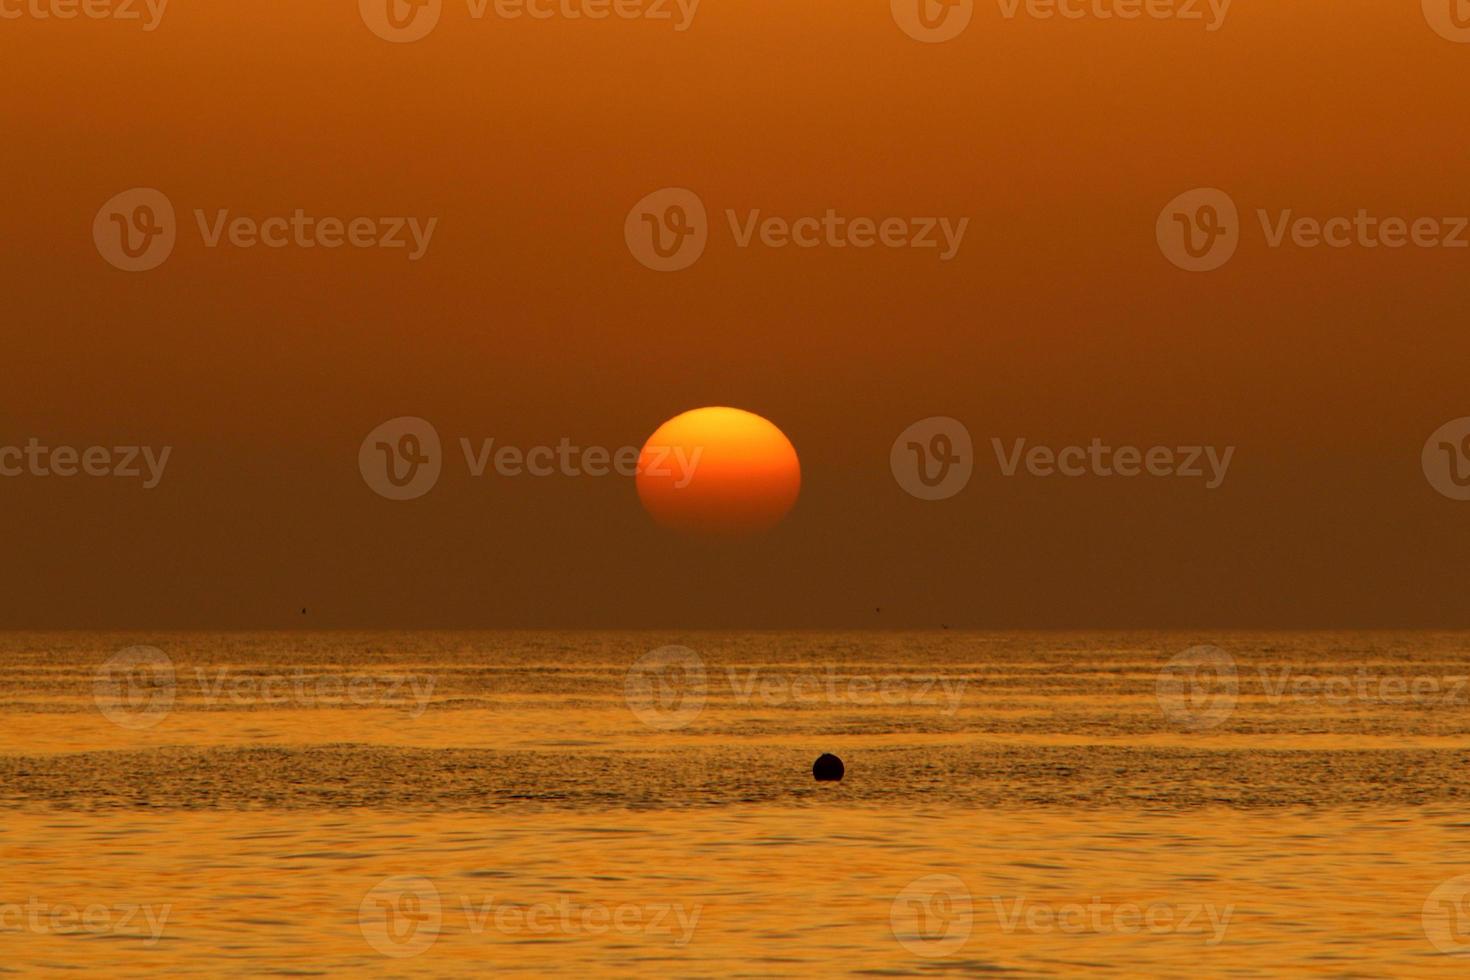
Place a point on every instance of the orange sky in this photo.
(527, 319)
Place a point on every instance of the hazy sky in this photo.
(528, 319)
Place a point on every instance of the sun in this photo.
(718, 471)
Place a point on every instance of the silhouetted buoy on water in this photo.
(827, 768)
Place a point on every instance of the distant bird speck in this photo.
(828, 768)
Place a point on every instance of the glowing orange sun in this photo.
(718, 471)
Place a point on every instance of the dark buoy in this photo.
(827, 768)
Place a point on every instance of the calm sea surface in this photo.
(1015, 804)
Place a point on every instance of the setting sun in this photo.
(604, 488)
(720, 471)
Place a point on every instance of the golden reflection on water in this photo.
(741, 889)
(1049, 819)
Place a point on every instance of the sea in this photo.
(626, 803)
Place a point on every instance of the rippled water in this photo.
(1015, 804)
